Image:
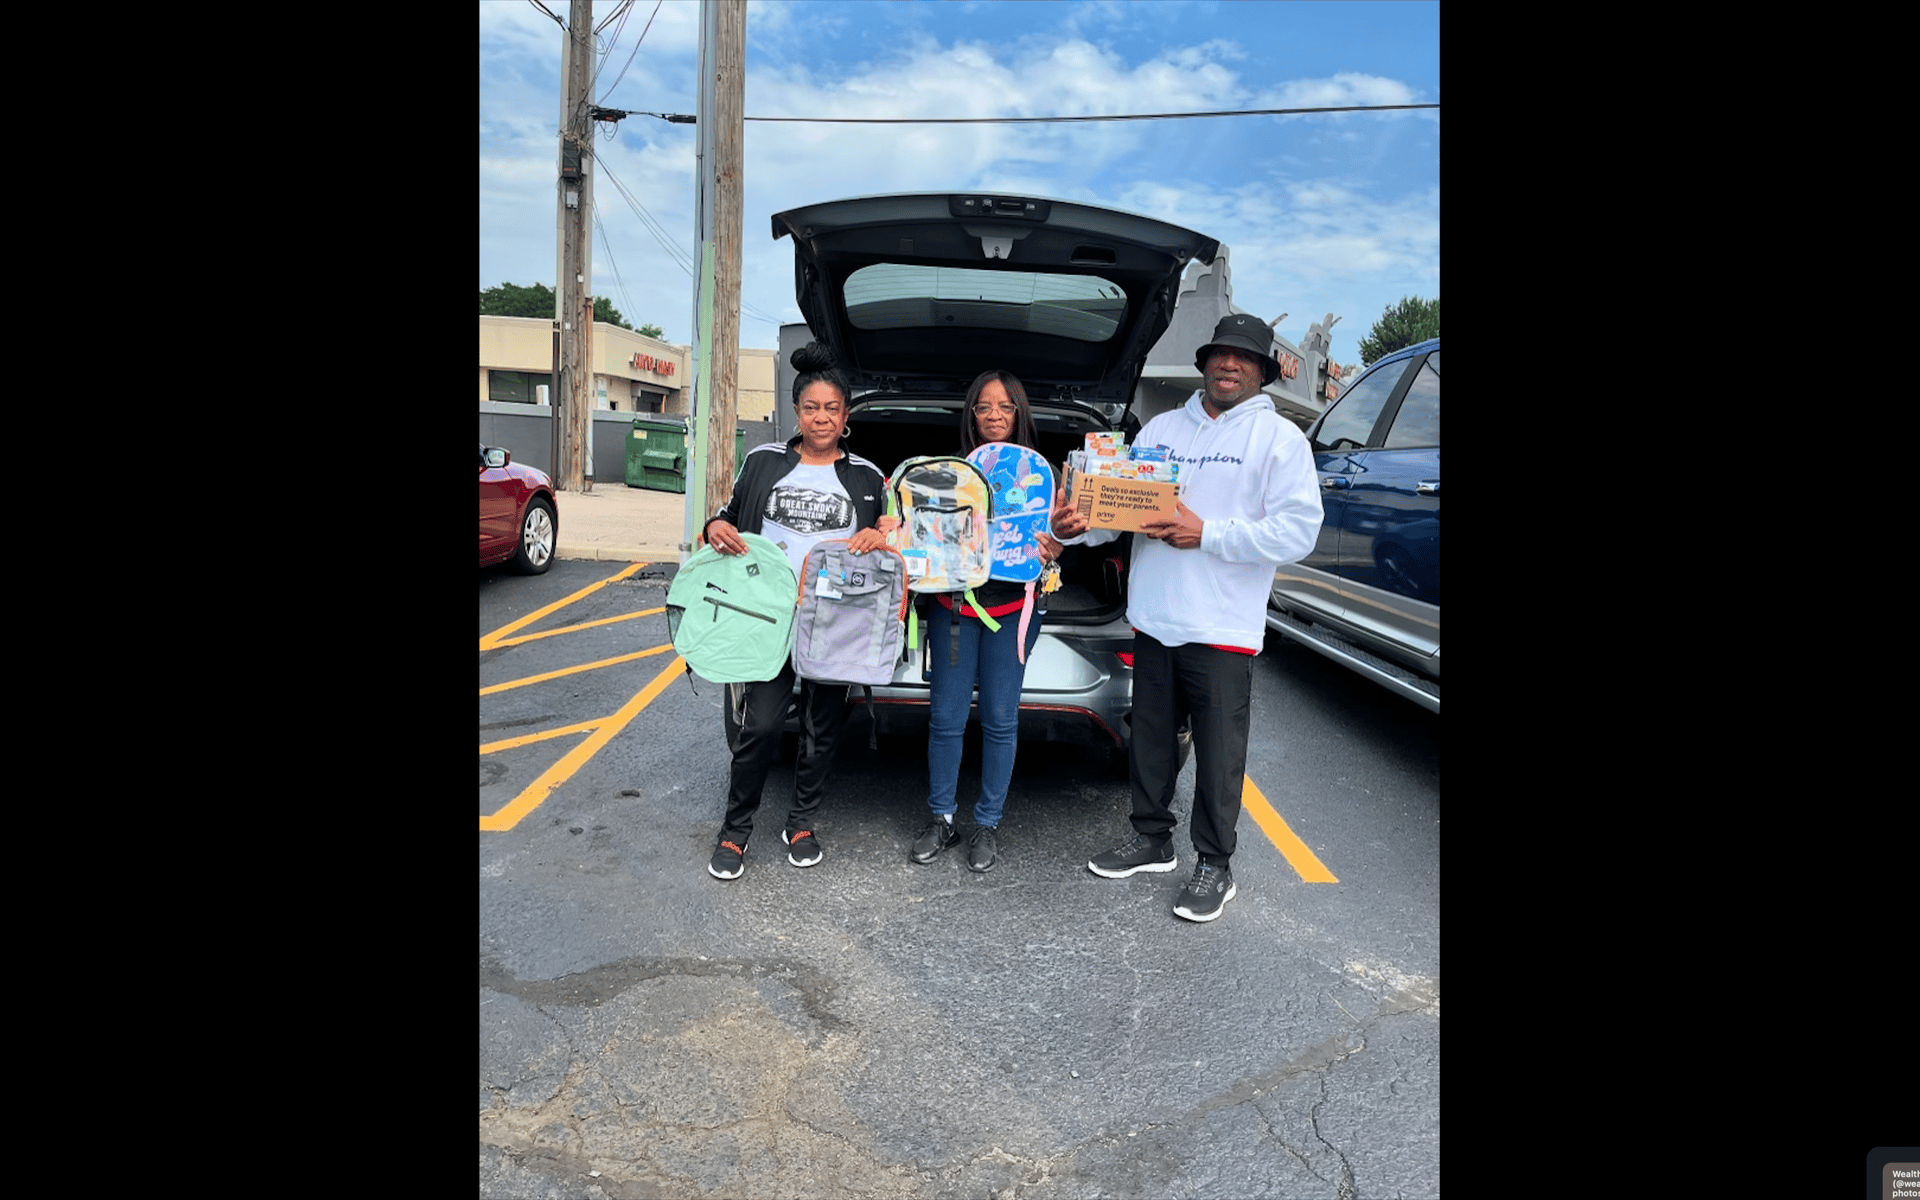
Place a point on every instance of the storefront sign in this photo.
(647, 362)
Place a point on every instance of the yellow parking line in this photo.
(549, 735)
(565, 671)
(1309, 867)
(487, 641)
(537, 792)
(534, 637)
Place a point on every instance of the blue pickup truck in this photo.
(1368, 596)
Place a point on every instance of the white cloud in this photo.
(1312, 222)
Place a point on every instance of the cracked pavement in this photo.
(875, 1028)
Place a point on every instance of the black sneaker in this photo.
(1140, 854)
(937, 836)
(729, 859)
(981, 848)
(1205, 894)
(803, 847)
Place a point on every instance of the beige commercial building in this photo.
(631, 372)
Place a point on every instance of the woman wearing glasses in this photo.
(996, 411)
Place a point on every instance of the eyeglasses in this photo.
(990, 410)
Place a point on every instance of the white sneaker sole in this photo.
(1156, 867)
(1233, 889)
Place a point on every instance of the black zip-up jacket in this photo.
(767, 465)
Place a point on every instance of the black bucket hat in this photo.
(1242, 331)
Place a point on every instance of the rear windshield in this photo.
(1084, 308)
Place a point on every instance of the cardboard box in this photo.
(1123, 504)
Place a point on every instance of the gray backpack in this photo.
(847, 627)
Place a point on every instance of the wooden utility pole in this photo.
(718, 180)
(729, 91)
(573, 385)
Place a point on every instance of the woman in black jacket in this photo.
(809, 490)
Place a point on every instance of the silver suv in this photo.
(918, 294)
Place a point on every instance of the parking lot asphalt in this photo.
(874, 1027)
(618, 523)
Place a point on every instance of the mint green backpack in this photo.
(734, 612)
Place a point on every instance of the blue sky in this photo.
(1326, 213)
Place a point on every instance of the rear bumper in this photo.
(1075, 725)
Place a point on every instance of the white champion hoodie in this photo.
(1250, 477)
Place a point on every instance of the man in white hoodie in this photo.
(1197, 600)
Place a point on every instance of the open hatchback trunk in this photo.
(919, 294)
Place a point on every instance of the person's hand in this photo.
(1068, 522)
(1182, 533)
(1049, 549)
(722, 536)
(866, 541)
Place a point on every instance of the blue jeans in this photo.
(988, 660)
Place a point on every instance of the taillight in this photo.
(1127, 658)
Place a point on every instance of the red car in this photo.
(518, 518)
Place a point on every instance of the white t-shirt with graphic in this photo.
(809, 506)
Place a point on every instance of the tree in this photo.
(652, 331)
(512, 300)
(1412, 320)
(606, 313)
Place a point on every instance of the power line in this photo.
(607, 52)
(684, 119)
(1251, 112)
(606, 244)
(543, 8)
(674, 252)
(624, 6)
(680, 257)
(636, 50)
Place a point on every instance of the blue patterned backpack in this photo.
(1020, 487)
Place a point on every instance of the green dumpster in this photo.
(657, 455)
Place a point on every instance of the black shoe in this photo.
(1206, 894)
(981, 848)
(803, 847)
(930, 841)
(729, 859)
(1140, 854)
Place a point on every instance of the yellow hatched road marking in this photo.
(565, 671)
(532, 738)
(489, 641)
(1309, 867)
(537, 792)
(534, 637)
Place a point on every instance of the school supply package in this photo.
(1117, 486)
